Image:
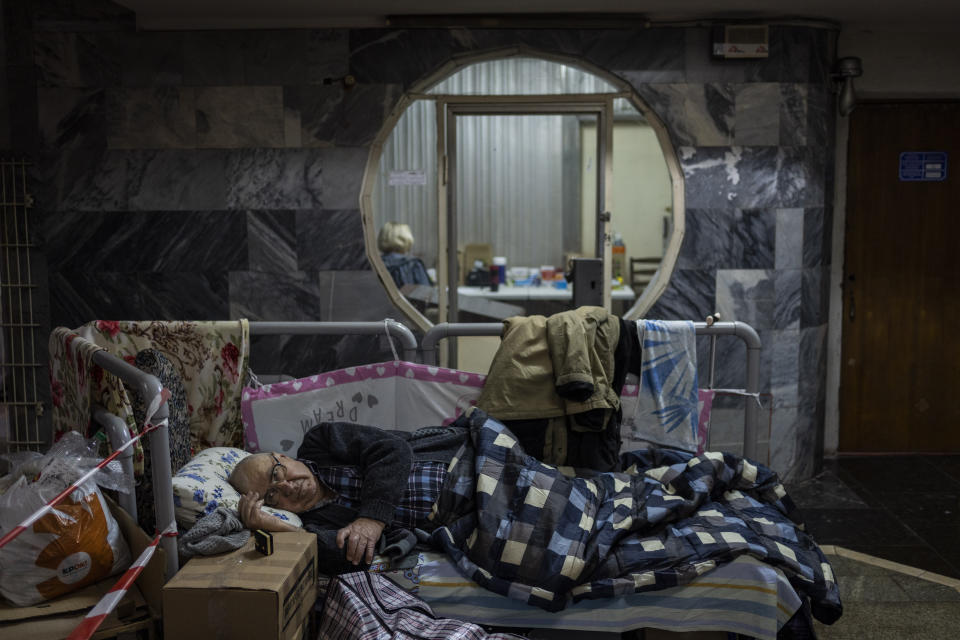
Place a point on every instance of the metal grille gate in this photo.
(20, 406)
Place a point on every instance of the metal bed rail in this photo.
(391, 327)
(149, 388)
(741, 330)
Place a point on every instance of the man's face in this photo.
(284, 483)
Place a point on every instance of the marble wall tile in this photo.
(785, 372)
(213, 58)
(274, 179)
(698, 115)
(330, 240)
(691, 295)
(793, 53)
(809, 458)
(183, 241)
(815, 253)
(355, 296)
(725, 431)
(827, 223)
(801, 176)
(343, 169)
(821, 116)
(301, 101)
(327, 55)
(747, 295)
(793, 114)
(80, 296)
(152, 59)
(69, 117)
(89, 15)
(151, 118)
(77, 297)
(83, 179)
(659, 51)
(331, 115)
(721, 177)
(727, 238)
(239, 117)
(296, 356)
(402, 56)
(292, 128)
(788, 289)
(757, 120)
(184, 295)
(292, 296)
(651, 76)
(701, 66)
(817, 43)
(789, 239)
(177, 180)
(813, 362)
(783, 442)
(815, 296)
(271, 242)
(274, 57)
(87, 59)
(731, 367)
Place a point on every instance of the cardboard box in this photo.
(139, 609)
(245, 594)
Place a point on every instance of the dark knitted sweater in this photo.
(384, 460)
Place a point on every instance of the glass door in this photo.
(526, 180)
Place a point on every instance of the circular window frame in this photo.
(661, 278)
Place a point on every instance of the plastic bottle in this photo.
(500, 262)
(619, 257)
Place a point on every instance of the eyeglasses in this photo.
(278, 473)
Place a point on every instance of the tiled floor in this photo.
(883, 600)
(901, 508)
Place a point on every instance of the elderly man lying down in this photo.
(528, 530)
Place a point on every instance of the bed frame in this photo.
(427, 352)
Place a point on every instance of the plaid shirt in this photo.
(423, 487)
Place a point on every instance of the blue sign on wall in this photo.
(923, 166)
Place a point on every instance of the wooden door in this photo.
(900, 368)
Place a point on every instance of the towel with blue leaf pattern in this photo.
(666, 410)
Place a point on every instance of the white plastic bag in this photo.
(76, 544)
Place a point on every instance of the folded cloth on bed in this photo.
(211, 357)
(367, 606)
(217, 532)
(666, 409)
(523, 529)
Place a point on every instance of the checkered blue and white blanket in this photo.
(545, 536)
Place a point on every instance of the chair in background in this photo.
(641, 272)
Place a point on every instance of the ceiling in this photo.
(916, 15)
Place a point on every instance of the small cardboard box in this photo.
(56, 618)
(245, 594)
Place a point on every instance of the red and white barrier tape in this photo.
(112, 598)
(39, 513)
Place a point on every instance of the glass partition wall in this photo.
(532, 162)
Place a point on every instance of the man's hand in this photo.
(249, 509)
(253, 518)
(360, 538)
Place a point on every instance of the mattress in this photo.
(744, 596)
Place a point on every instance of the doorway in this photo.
(901, 281)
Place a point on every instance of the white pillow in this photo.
(201, 486)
